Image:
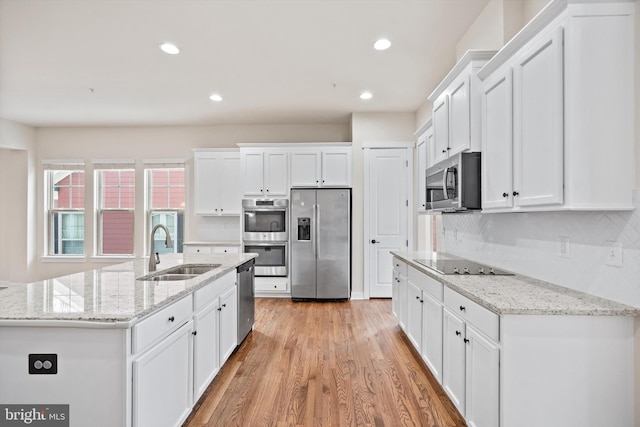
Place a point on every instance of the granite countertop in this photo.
(507, 295)
(109, 296)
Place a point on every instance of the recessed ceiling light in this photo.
(382, 44)
(366, 95)
(169, 48)
(215, 97)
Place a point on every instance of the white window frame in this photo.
(50, 167)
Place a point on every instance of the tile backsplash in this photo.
(530, 244)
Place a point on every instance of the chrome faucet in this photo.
(154, 260)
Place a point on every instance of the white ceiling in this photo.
(97, 62)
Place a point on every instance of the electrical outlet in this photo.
(614, 253)
(455, 234)
(43, 364)
(563, 246)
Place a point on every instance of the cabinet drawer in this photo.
(485, 320)
(188, 249)
(426, 283)
(400, 266)
(270, 286)
(161, 324)
(203, 296)
(226, 249)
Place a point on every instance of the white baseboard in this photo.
(357, 295)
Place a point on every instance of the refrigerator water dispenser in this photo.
(304, 229)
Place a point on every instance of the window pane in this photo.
(117, 233)
(67, 234)
(67, 189)
(174, 222)
(118, 189)
(166, 188)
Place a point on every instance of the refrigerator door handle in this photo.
(316, 209)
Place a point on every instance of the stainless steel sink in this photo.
(179, 272)
(165, 277)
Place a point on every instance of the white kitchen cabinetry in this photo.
(321, 167)
(195, 248)
(471, 359)
(162, 381)
(545, 146)
(228, 323)
(265, 172)
(414, 314)
(423, 145)
(456, 108)
(217, 182)
(399, 290)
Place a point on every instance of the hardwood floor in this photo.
(324, 364)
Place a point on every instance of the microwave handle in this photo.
(444, 183)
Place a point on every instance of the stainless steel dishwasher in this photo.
(246, 307)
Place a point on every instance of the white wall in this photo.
(17, 185)
(140, 143)
(370, 127)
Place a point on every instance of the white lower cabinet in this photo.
(482, 379)
(162, 381)
(432, 334)
(206, 348)
(453, 359)
(172, 364)
(399, 289)
(414, 315)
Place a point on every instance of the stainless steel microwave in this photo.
(453, 185)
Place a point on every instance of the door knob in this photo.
(374, 241)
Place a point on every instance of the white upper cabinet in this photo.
(456, 107)
(423, 146)
(265, 172)
(321, 167)
(217, 189)
(557, 112)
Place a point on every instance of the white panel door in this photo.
(388, 220)
(538, 123)
(497, 142)
(483, 375)
(440, 128)
(453, 359)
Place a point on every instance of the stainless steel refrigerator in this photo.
(320, 244)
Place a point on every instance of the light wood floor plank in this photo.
(324, 364)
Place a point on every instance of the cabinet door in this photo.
(402, 305)
(421, 148)
(229, 189)
(441, 128)
(483, 375)
(459, 115)
(453, 359)
(205, 182)
(305, 168)
(253, 172)
(228, 310)
(205, 349)
(538, 123)
(395, 294)
(497, 142)
(414, 318)
(162, 381)
(432, 334)
(431, 150)
(276, 181)
(336, 168)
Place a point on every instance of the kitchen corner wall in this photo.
(527, 243)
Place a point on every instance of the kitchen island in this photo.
(510, 350)
(121, 351)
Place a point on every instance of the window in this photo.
(65, 210)
(165, 205)
(115, 190)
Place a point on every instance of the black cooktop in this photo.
(462, 266)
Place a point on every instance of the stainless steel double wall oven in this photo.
(265, 232)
